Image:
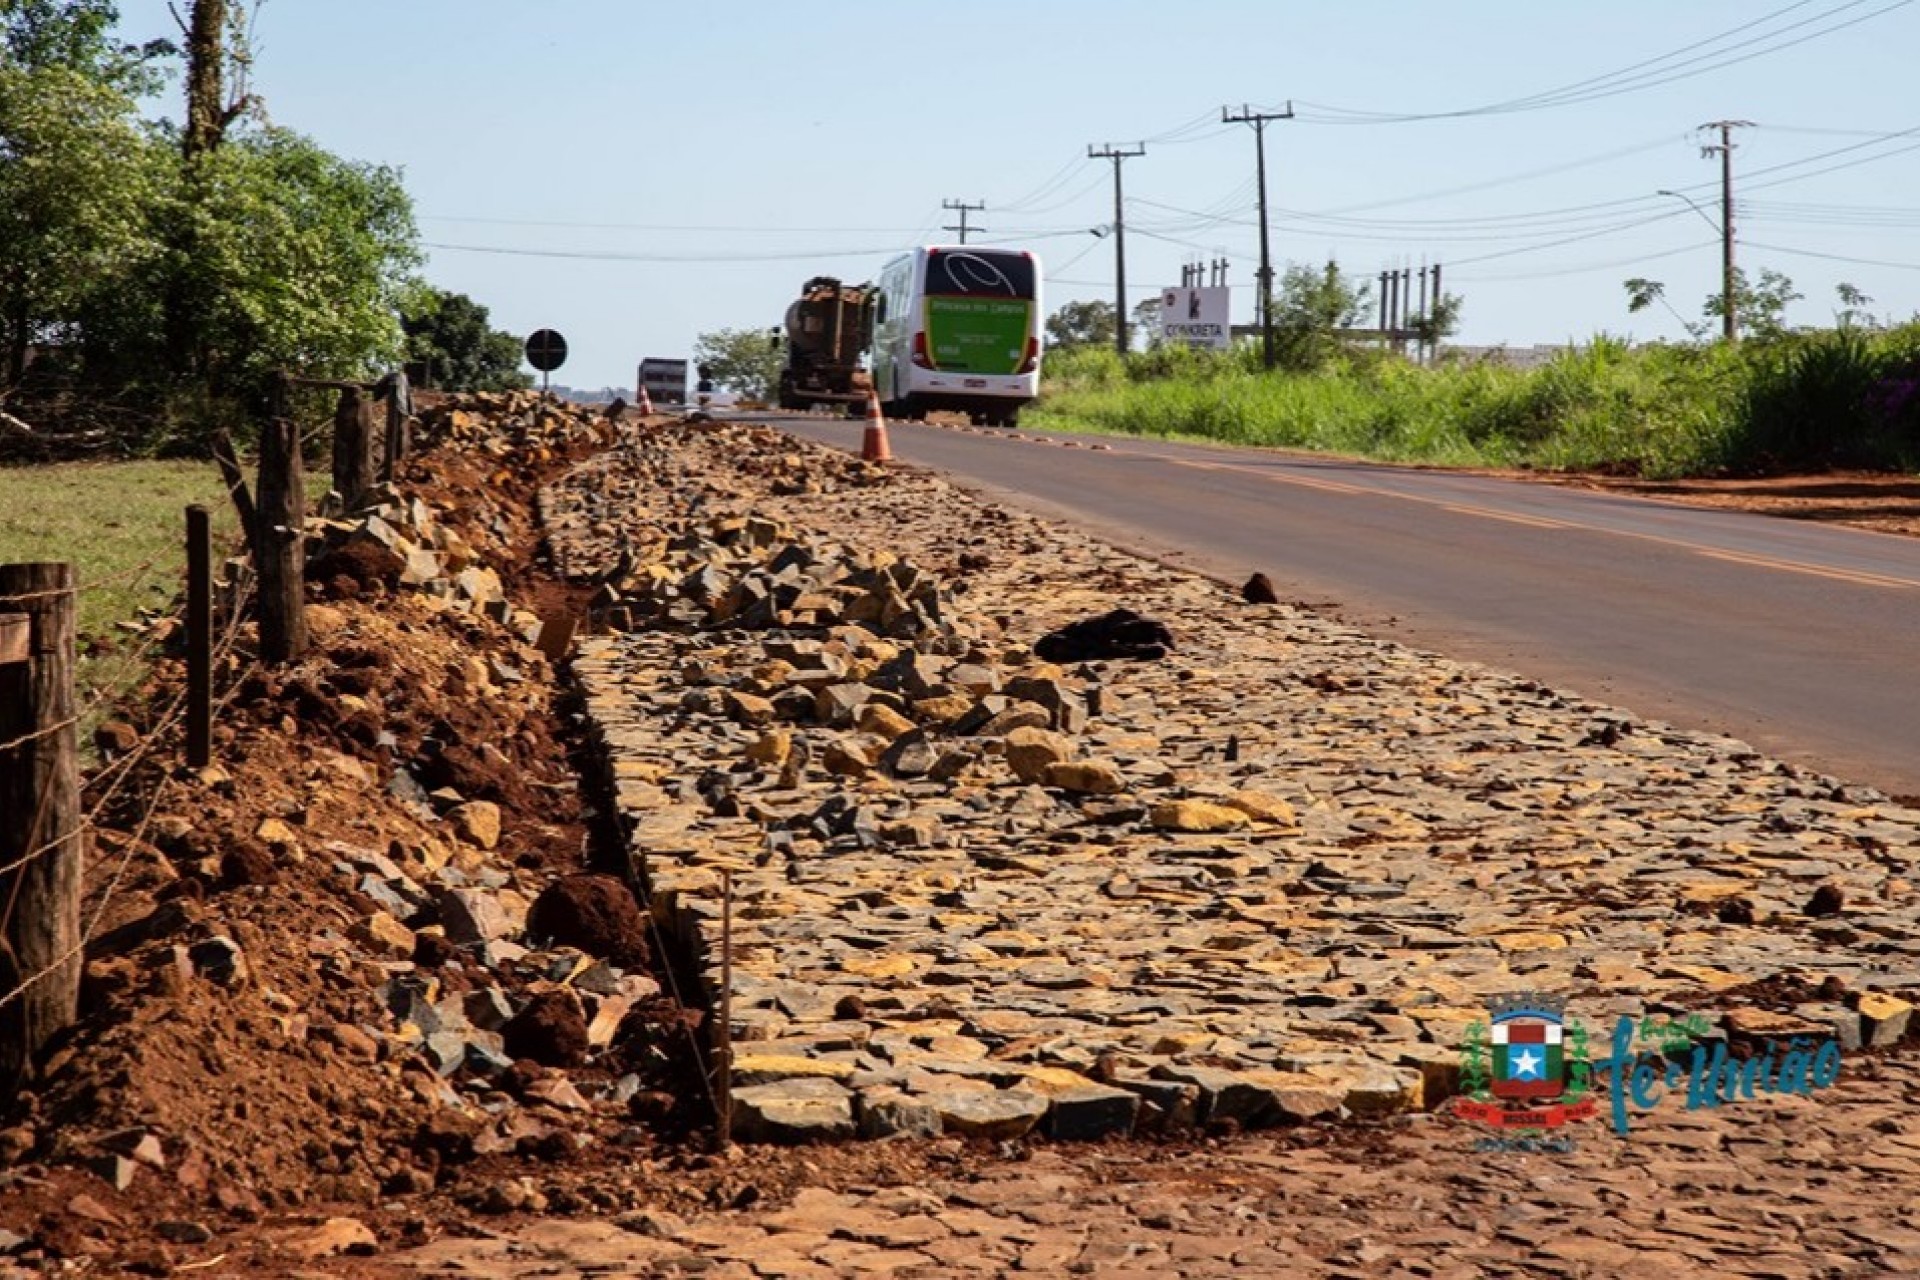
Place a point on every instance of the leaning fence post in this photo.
(39, 812)
(280, 544)
(199, 638)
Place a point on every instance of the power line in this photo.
(1835, 257)
(1646, 74)
(1585, 268)
(589, 255)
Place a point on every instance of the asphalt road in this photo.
(1797, 637)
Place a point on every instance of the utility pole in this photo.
(962, 207)
(1121, 329)
(1730, 327)
(1258, 119)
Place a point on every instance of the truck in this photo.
(828, 331)
(664, 380)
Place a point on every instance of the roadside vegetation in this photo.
(123, 528)
(156, 272)
(1845, 397)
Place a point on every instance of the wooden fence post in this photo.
(199, 638)
(399, 397)
(39, 813)
(352, 448)
(280, 544)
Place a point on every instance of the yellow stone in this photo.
(1879, 1006)
(768, 1067)
(1030, 751)
(1530, 941)
(848, 758)
(1713, 979)
(943, 710)
(274, 831)
(1055, 1080)
(1706, 893)
(1263, 807)
(883, 721)
(1196, 816)
(894, 966)
(1086, 777)
(772, 748)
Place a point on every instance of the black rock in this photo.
(1119, 634)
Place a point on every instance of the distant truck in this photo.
(828, 332)
(665, 381)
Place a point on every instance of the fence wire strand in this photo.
(46, 732)
(124, 768)
(79, 588)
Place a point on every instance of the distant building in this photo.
(1533, 357)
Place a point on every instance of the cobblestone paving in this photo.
(1295, 864)
(1385, 839)
(1782, 1188)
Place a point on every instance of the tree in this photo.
(450, 332)
(1441, 321)
(77, 174)
(1310, 308)
(1081, 324)
(1146, 321)
(1759, 309)
(742, 360)
(1853, 303)
(77, 35)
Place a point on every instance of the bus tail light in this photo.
(920, 356)
(1032, 361)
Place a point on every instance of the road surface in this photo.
(1797, 637)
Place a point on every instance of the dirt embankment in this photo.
(357, 968)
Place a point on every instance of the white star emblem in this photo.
(1526, 1064)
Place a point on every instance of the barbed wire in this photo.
(45, 731)
(123, 767)
(79, 949)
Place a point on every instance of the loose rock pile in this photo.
(1266, 876)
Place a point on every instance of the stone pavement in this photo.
(1267, 879)
(1270, 877)
(1781, 1188)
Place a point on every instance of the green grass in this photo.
(122, 526)
(1804, 402)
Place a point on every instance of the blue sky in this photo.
(700, 161)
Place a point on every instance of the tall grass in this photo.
(1814, 400)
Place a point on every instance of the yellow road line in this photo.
(1859, 577)
(1818, 571)
(1538, 522)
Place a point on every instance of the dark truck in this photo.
(828, 332)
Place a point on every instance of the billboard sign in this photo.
(1195, 316)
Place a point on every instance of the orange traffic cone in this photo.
(646, 404)
(874, 448)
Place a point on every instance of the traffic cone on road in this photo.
(874, 447)
(646, 404)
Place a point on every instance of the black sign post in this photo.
(546, 351)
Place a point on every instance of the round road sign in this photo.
(546, 350)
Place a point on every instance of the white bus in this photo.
(957, 328)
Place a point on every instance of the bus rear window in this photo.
(965, 273)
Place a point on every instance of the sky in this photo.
(635, 173)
